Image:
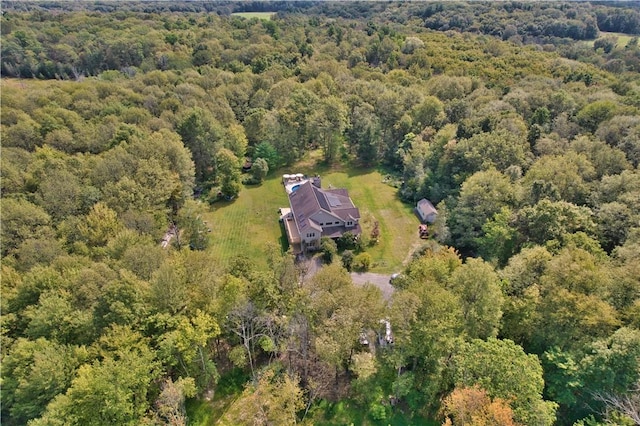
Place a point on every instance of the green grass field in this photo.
(249, 224)
(260, 15)
(622, 39)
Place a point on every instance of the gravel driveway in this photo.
(379, 280)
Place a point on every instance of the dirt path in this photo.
(414, 247)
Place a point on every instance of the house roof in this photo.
(425, 207)
(308, 200)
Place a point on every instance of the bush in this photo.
(347, 260)
(329, 249)
(348, 241)
(362, 262)
(377, 411)
(259, 170)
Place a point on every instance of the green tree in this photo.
(266, 151)
(113, 389)
(364, 133)
(559, 177)
(479, 289)
(347, 241)
(169, 150)
(362, 262)
(591, 115)
(235, 140)
(255, 125)
(186, 348)
(329, 249)
(501, 239)
(329, 122)
(34, 372)
(191, 229)
(55, 318)
(100, 225)
(259, 169)
(200, 133)
(295, 126)
(24, 134)
(347, 259)
(606, 160)
(573, 306)
(21, 220)
(169, 287)
(428, 113)
(122, 301)
(622, 132)
(228, 170)
(500, 149)
(426, 319)
(613, 221)
(613, 363)
(271, 400)
(339, 311)
(34, 251)
(522, 287)
(482, 196)
(551, 220)
(62, 194)
(505, 371)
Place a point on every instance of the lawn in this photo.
(260, 15)
(621, 39)
(249, 224)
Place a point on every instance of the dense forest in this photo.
(520, 121)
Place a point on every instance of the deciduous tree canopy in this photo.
(124, 125)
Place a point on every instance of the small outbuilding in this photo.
(426, 211)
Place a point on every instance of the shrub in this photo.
(348, 241)
(347, 260)
(362, 262)
(329, 249)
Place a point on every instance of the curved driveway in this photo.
(379, 280)
(311, 266)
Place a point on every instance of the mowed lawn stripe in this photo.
(248, 224)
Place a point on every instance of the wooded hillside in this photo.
(120, 125)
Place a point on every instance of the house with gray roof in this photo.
(315, 212)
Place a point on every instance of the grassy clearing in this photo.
(260, 15)
(621, 39)
(229, 388)
(199, 412)
(249, 224)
